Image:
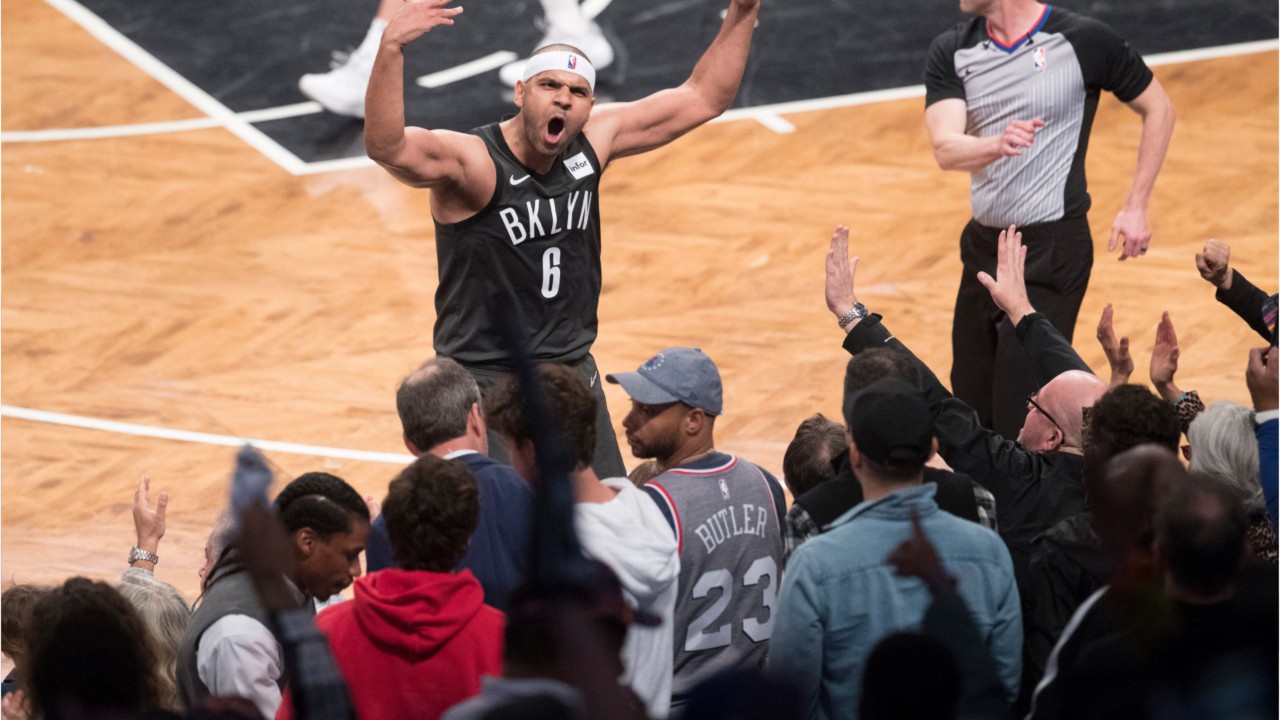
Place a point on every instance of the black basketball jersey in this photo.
(538, 240)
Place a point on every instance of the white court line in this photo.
(323, 166)
(1211, 53)
(489, 62)
(185, 89)
(775, 123)
(281, 112)
(199, 437)
(767, 115)
(155, 128)
(836, 101)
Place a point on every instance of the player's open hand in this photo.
(416, 18)
(1019, 135)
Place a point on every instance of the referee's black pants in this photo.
(608, 458)
(989, 370)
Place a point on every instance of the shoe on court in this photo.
(590, 41)
(341, 90)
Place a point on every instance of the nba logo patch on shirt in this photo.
(578, 166)
(1039, 58)
(724, 489)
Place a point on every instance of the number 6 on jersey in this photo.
(551, 272)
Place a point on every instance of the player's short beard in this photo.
(659, 447)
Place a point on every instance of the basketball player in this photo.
(516, 203)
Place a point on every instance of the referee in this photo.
(1010, 98)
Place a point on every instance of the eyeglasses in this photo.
(1031, 400)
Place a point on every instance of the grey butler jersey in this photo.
(537, 242)
(727, 516)
(1054, 72)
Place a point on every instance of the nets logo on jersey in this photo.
(573, 62)
(1038, 57)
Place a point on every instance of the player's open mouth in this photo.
(555, 130)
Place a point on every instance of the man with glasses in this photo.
(1037, 479)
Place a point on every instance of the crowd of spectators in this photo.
(1116, 559)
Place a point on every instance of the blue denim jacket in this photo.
(840, 597)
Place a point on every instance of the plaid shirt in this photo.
(799, 526)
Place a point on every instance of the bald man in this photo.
(1038, 478)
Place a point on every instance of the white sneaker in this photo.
(590, 41)
(341, 90)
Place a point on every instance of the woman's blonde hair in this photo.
(166, 615)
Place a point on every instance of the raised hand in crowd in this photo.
(1260, 376)
(1009, 287)
(1214, 263)
(839, 277)
(1164, 360)
(148, 525)
(1117, 352)
(15, 706)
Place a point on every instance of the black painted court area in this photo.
(248, 54)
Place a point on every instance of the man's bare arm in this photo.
(955, 150)
(1157, 113)
(415, 156)
(621, 129)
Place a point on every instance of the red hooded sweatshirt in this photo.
(412, 644)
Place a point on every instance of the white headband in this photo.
(562, 61)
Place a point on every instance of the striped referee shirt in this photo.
(1055, 72)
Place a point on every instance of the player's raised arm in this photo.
(415, 156)
(621, 129)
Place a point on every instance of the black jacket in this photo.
(1033, 490)
(1246, 300)
(829, 500)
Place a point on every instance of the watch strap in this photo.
(857, 311)
(137, 554)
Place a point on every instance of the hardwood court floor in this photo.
(183, 281)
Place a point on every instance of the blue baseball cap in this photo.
(684, 375)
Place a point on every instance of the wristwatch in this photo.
(138, 554)
(857, 311)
